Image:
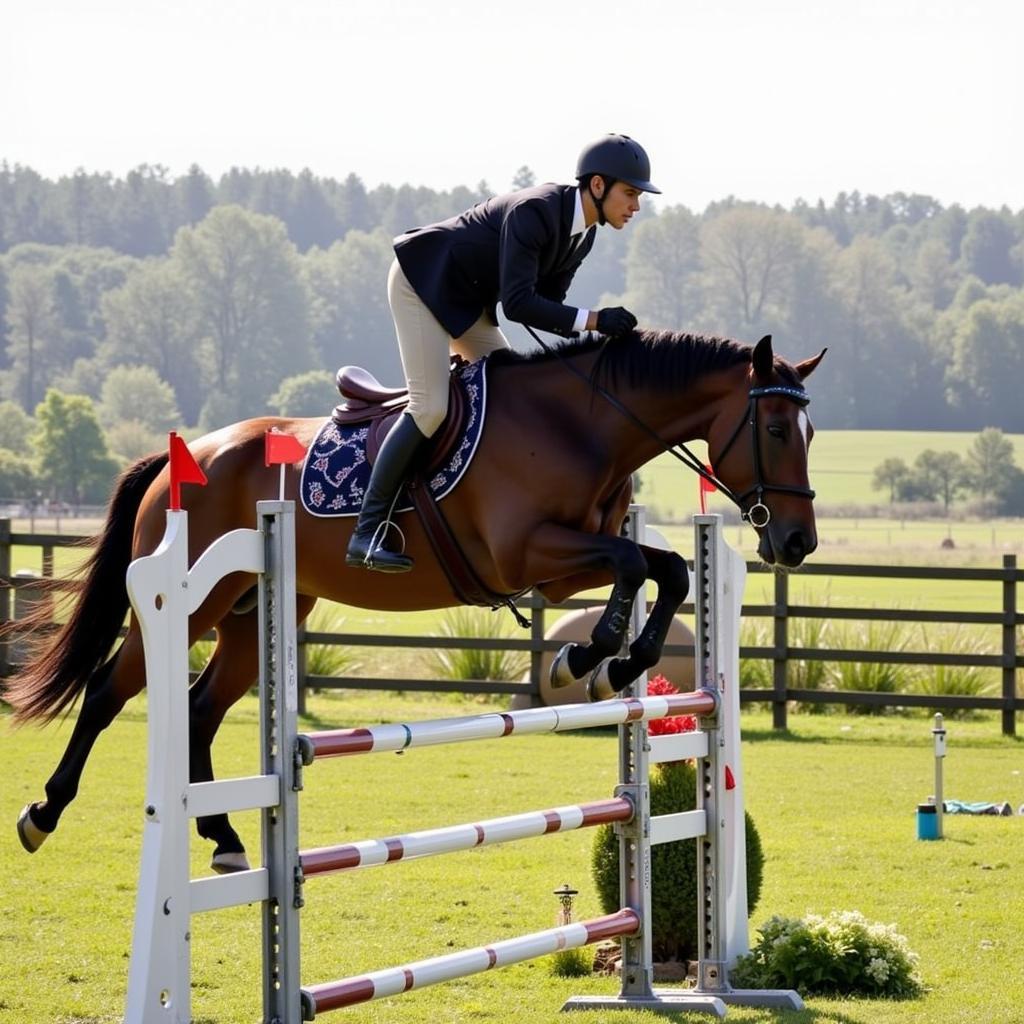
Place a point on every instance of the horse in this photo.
(541, 505)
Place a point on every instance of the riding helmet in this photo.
(618, 157)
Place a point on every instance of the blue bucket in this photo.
(927, 821)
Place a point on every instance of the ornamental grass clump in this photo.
(755, 673)
(871, 676)
(329, 659)
(842, 954)
(954, 680)
(572, 963)
(469, 663)
(809, 675)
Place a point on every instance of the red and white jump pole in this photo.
(563, 718)
(432, 842)
(334, 995)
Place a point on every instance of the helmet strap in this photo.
(599, 201)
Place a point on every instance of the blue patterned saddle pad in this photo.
(335, 474)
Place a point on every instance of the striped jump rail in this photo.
(334, 995)
(452, 838)
(382, 738)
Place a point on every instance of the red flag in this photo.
(730, 780)
(706, 488)
(184, 469)
(281, 448)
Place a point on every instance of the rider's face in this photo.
(621, 201)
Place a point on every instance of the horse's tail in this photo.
(62, 665)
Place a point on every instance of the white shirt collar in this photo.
(579, 222)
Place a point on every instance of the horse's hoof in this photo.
(30, 834)
(560, 675)
(599, 686)
(229, 863)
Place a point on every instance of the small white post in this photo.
(939, 732)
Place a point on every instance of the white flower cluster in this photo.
(878, 969)
(843, 952)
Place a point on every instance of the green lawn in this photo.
(842, 464)
(833, 799)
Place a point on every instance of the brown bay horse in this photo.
(541, 505)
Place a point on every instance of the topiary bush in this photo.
(673, 866)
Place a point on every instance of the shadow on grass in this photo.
(827, 1016)
(778, 736)
(860, 737)
(860, 1011)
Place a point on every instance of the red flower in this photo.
(659, 686)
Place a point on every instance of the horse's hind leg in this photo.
(106, 693)
(231, 671)
(669, 571)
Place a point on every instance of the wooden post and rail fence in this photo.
(1007, 657)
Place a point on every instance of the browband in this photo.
(798, 395)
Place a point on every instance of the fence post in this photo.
(1009, 643)
(537, 606)
(5, 592)
(781, 645)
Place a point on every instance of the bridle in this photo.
(758, 514)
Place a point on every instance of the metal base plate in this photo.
(779, 999)
(669, 1001)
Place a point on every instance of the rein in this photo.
(684, 455)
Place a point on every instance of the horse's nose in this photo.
(798, 546)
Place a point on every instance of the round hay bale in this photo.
(576, 627)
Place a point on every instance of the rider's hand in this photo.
(615, 321)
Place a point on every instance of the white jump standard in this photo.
(164, 592)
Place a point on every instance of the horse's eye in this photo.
(777, 430)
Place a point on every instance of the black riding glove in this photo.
(615, 321)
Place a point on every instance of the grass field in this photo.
(842, 463)
(833, 799)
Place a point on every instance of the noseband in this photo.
(758, 514)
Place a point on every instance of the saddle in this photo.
(367, 401)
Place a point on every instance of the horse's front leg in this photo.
(669, 572)
(557, 552)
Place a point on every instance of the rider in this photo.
(521, 249)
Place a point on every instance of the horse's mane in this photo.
(668, 359)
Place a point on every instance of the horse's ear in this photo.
(763, 358)
(808, 366)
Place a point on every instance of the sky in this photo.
(765, 100)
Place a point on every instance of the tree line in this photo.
(191, 303)
(988, 474)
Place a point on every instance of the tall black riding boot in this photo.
(395, 457)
